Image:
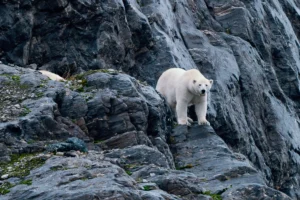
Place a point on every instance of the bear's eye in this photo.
(199, 84)
(206, 85)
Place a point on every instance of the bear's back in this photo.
(167, 82)
(51, 75)
(169, 77)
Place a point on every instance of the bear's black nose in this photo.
(202, 91)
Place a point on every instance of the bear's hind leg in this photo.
(173, 108)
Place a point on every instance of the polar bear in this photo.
(182, 88)
(52, 76)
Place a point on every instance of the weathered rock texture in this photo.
(250, 49)
(112, 109)
(86, 177)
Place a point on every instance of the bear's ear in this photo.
(211, 81)
(194, 81)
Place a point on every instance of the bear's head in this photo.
(201, 86)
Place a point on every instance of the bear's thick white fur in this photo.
(183, 88)
(52, 76)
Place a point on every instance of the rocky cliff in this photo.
(249, 48)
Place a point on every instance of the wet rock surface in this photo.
(249, 48)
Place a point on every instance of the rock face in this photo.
(201, 151)
(249, 48)
(112, 109)
(86, 177)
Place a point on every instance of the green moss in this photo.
(98, 141)
(128, 172)
(13, 92)
(30, 141)
(16, 78)
(26, 182)
(25, 111)
(21, 165)
(16, 81)
(43, 83)
(188, 166)
(79, 81)
(228, 31)
(4, 188)
(84, 82)
(213, 196)
(130, 166)
(147, 187)
(39, 94)
(80, 89)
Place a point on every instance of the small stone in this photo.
(71, 154)
(144, 181)
(5, 176)
(9, 168)
(47, 155)
(33, 66)
(59, 153)
(152, 174)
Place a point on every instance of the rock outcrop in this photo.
(110, 111)
(249, 48)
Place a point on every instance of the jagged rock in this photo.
(199, 150)
(252, 192)
(249, 48)
(87, 176)
(109, 112)
(70, 144)
(135, 157)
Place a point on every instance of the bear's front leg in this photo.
(201, 109)
(181, 111)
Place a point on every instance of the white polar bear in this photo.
(52, 76)
(183, 88)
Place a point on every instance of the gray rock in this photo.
(253, 191)
(137, 156)
(116, 112)
(70, 144)
(67, 175)
(249, 48)
(201, 152)
(120, 141)
(73, 105)
(76, 178)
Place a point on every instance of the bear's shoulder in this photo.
(194, 74)
(51, 75)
